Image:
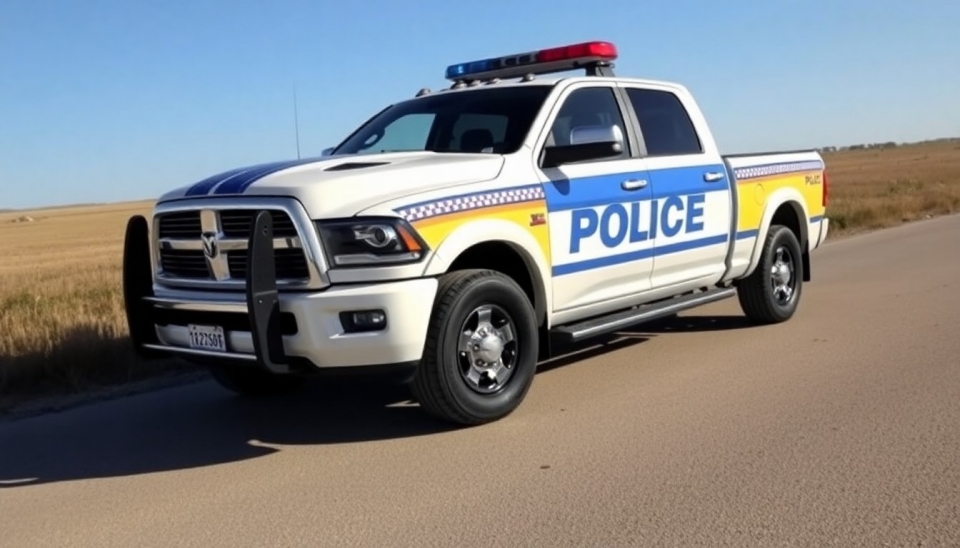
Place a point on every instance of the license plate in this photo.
(207, 337)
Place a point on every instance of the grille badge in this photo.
(212, 231)
(210, 247)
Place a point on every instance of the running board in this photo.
(577, 332)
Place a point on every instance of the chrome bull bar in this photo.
(262, 300)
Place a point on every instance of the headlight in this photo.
(370, 241)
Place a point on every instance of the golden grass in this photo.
(878, 188)
(62, 326)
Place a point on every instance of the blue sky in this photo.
(107, 100)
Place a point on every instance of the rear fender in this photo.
(781, 196)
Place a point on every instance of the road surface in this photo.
(839, 428)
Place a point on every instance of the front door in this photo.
(600, 245)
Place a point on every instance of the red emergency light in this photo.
(588, 55)
(595, 51)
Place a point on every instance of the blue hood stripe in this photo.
(204, 186)
(239, 184)
(238, 180)
(250, 174)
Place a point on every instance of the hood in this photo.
(341, 186)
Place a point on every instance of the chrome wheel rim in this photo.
(783, 277)
(487, 349)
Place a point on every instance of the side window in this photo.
(664, 123)
(591, 106)
(478, 133)
(408, 132)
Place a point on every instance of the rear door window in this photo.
(664, 123)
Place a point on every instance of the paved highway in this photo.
(839, 428)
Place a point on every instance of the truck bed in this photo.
(762, 182)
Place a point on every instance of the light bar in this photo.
(535, 62)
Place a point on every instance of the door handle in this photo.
(633, 184)
(712, 176)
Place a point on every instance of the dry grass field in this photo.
(877, 188)
(61, 308)
(61, 311)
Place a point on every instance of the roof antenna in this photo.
(296, 119)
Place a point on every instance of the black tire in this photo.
(447, 384)
(758, 298)
(253, 382)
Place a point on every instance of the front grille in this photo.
(184, 225)
(181, 251)
(184, 264)
(290, 263)
(236, 224)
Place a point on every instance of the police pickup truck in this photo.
(461, 235)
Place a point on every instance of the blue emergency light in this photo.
(589, 55)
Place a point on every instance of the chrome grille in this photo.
(290, 263)
(181, 225)
(184, 263)
(181, 245)
(236, 224)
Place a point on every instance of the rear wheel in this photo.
(481, 350)
(772, 292)
(251, 381)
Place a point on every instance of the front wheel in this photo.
(481, 350)
(772, 292)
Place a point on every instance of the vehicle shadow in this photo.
(696, 324)
(201, 424)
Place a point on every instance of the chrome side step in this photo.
(602, 325)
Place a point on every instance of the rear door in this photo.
(691, 189)
(599, 244)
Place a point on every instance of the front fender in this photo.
(533, 248)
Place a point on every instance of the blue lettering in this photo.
(668, 216)
(635, 234)
(694, 212)
(578, 230)
(653, 218)
(670, 230)
(608, 239)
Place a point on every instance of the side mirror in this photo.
(327, 151)
(586, 143)
(584, 135)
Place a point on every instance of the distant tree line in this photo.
(886, 145)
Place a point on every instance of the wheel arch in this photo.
(785, 207)
(502, 246)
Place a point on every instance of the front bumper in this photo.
(282, 332)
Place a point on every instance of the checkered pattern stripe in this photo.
(468, 202)
(755, 172)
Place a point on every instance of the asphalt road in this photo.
(838, 428)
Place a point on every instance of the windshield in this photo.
(494, 120)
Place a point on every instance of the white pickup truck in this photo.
(460, 235)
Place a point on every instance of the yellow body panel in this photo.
(531, 216)
(752, 195)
